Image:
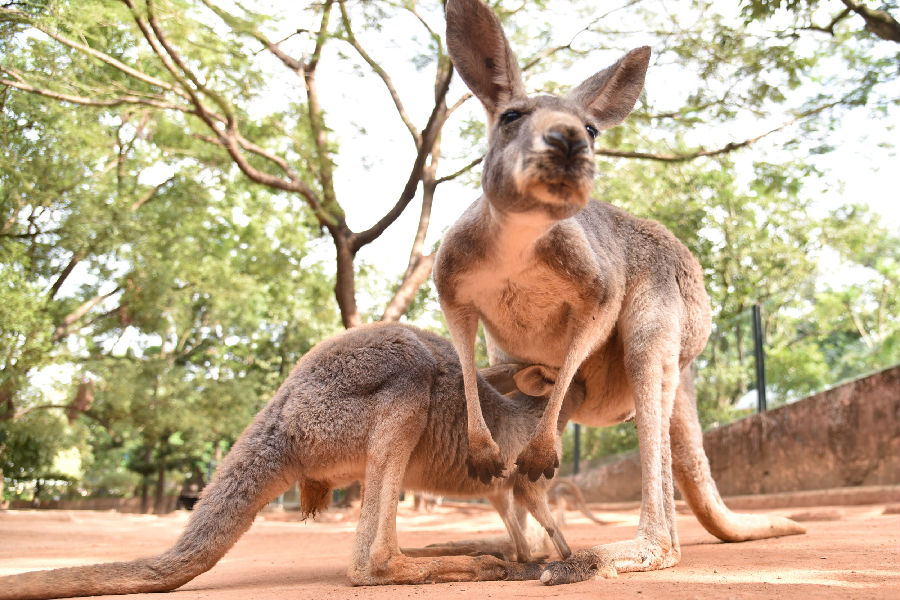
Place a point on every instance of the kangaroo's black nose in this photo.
(567, 143)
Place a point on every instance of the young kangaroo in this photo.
(381, 403)
(560, 280)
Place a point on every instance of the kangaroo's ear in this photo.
(481, 54)
(609, 95)
(536, 380)
(501, 377)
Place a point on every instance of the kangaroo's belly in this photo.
(608, 397)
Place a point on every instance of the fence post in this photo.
(577, 439)
(759, 353)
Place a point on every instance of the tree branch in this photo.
(336, 223)
(404, 296)
(829, 29)
(878, 22)
(63, 329)
(63, 275)
(429, 138)
(182, 65)
(102, 56)
(461, 171)
(85, 101)
(150, 194)
(273, 47)
(729, 147)
(389, 84)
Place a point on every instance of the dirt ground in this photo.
(848, 552)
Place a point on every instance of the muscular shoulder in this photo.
(464, 246)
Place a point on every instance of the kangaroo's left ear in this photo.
(536, 380)
(609, 96)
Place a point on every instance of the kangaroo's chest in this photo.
(529, 310)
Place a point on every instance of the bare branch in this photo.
(729, 147)
(829, 29)
(404, 296)
(290, 62)
(462, 100)
(461, 171)
(63, 275)
(389, 84)
(430, 136)
(73, 317)
(150, 194)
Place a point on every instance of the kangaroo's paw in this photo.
(581, 566)
(484, 460)
(608, 560)
(538, 458)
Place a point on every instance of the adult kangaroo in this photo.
(561, 280)
(382, 404)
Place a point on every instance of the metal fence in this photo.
(770, 354)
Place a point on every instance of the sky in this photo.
(376, 152)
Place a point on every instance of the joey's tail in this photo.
(258, 468)
(691, 470)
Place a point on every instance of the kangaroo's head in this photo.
(540, 149)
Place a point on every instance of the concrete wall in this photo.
(846, 436)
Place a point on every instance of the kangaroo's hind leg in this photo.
(533, 497)
(377, 559)
(514, 547)
(651, 364)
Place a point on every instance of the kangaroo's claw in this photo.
(483, 464)
(535, 460)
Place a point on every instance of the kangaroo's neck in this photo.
(514, 235)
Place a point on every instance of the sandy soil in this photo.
(849, 552)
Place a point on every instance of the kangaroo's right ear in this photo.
(536, 380)
(481, 54)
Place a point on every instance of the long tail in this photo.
(258, 468)
(580, 502)
(691, 470)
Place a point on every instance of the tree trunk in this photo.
(344, 285)
(36, 498)
(3, 505)
(7, 407)
(159, 502)
(145, 495)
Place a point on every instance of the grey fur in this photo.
(566, 281)
(382, 404)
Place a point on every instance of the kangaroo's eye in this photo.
(509, 116)
(592, 131)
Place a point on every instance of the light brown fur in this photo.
(382, 404)
(562, 280)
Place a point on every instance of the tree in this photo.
(178, 71)
(171, 277)
(157, 120)
(877, 21)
